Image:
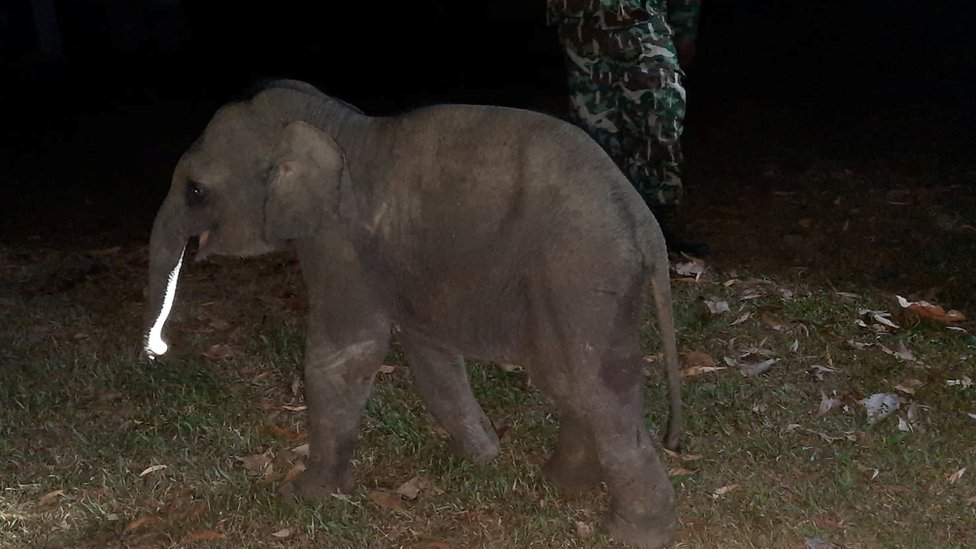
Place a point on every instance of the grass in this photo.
(83, 417)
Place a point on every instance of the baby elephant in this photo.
(468, 232)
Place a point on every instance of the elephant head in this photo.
(257, 177)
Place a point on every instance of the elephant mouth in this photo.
(204, 245)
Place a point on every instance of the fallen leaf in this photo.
(258, 463)
(412, 488)
(141, 522)
(584, 530)
(50, 497)
(826, 523)
(924, 310)
(697, 358)
(875, 320)
(849, 295)
(509, 368)
(386, 499)
(742, 318)
(719, 492)
(203, 535)
(717, 307)
(880, 406)
(290, 408)
(973, 416)
(954, 477)
(909, 386)
(680, 472)
(293, 472)
(902, 353)
(301, 449)
(287, 434)
(283, 533)
(819, 372)
(699, 370)
(693, 269)
(818, 543)
(750, 370)
(826, 404)
(965, 382)
(387, 369)
(774, 322)
(152, 469)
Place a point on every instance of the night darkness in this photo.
(829, 166)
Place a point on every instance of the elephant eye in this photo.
(196, 193)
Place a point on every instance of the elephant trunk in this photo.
(166, 248)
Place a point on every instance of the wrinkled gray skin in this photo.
(468, 232)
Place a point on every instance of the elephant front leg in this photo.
(337, 384)
(442, 381)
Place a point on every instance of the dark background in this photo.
(100, 97)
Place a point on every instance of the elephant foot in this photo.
(478, 443)
(645, 534)
(572, 475)
(311, 487)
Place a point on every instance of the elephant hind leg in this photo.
(442, 381)
(574, 466)
(642, 499)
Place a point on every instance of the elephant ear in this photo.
(307, 182)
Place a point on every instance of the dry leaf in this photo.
(775, 322)
(387, 369)
(924, 310)
(818, 543)
(954, 477)
(258, 463)
(293, 473)
(909, 386)
(50, 497)
(152, 469)
(584, 530)
(719, 492)
(827, 404)
(875, 320)
(283, 533)
(827, 523)
(286, 434)
(699, 370)
(819, 372)
(509, 368)
(880, 406)
(750, 370)
(973, 416)
(697, 358)
(901, 354)
(965, 382)
(290, 408)
(141, 522)
(411, 488)
(692, 269)
(680, 472)
(745, 316)
(386, 499)
(301, 450)
(717, 306)
(203, 535)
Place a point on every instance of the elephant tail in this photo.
(661, 290)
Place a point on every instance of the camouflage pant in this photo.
(626, 92)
